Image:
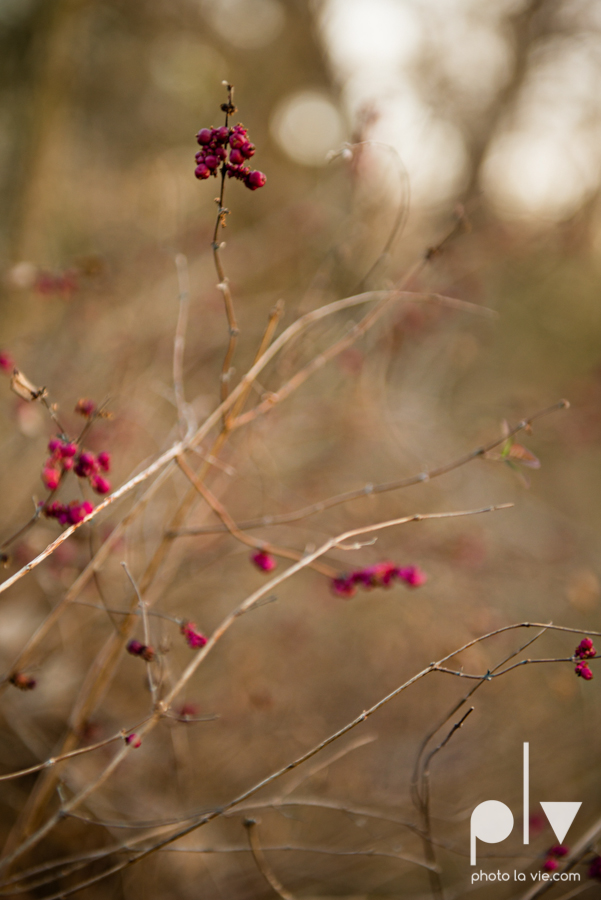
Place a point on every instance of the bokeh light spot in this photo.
(247, 24)
(307, 126)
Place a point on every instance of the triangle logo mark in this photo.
(560, 816)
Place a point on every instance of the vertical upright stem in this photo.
(223, 283)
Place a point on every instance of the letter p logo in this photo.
(492, 822)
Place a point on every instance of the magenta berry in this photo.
(51, 478)
(550, 865)
(344, 586)
(263, 561)
(85, 408)
(558, 851)
(22, 681)
(194, 638)
(85, 465)
(78, 511)
(412, 576)
(137, 648)
(585, 649)
(100, 485)
(61, 450)
(583, 671)
(254, 180)
(104, 461)
(133, 740)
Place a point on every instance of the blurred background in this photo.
(487, 108)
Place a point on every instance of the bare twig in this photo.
(262, 864)
(142, 608)
(370, 490)
(233, 529)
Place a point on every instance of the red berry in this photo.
(263, 561)
(51, 478)
(255, 180)
(100, 485)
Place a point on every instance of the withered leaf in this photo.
(24, 388)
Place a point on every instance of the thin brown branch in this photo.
(143, 613)
(370, 490)
(233, 529)
(54, 760)
(223, 284)
(416, 793)
(355, 332)
(262, 864)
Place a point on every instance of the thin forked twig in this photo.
(356, 331)
(370, 490)
(233, 529)
(143, 612)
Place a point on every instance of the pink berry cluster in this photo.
(194, 638)
(61, 459)
(550, 864)
(381, 575)
(66, 456)
(137, 648)
(68, 513)
(584, 650)
(263, 561)
(214, 146)
(89, 466)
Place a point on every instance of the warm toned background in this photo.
(490, 104)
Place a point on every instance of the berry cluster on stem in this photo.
(194, 638)
(584, 650)
(215, 143)
(381, 575)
